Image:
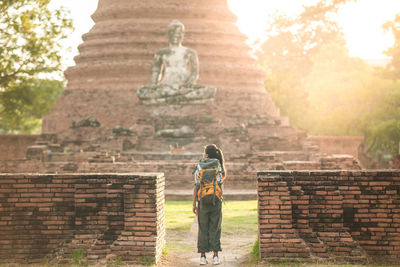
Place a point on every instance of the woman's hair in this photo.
(215, 153)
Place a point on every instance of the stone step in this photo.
(301, 165)
(233, 182)
(229, 195)
(161, 155)
(283, 155)
(50, 138)
(265, 157)
(70, 157)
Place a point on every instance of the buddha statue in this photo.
(174, 73)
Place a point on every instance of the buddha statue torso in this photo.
(174, 74)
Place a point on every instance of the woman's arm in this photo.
(194, 199)
(223, 177)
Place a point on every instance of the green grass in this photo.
(255, 253)
(179, 215)
(78, 258)
(146, 261)
(178, 247)
(237, 216)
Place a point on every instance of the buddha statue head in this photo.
(175, 33)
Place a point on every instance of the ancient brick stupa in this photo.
(101, 125)
(116, 58)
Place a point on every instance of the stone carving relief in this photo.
(174, 74)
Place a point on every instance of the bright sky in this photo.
(361, 22)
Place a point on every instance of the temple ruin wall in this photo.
(338, 144)
(347, 215)
(103, 215)
(14, 146)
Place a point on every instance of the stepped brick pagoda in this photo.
(116, 58)
(100, 125)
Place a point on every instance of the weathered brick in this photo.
(66, 210)
(316, 203)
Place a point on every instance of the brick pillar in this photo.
(144, 227)
(160, 201)
(277, 236)
(90, 214)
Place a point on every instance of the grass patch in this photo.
(78, 258)
(146, 261)
(115, 262)
(179, 215)
(237, 216)
(173, 247)
(255, 253)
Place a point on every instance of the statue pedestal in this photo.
(166, 94)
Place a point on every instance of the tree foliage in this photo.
(393, 69)
(291, 42)
(383, 121)
(323, 90)
(30, 35)
(25, 102)
(289, 52)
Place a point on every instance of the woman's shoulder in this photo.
(208, 162)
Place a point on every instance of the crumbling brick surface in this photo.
(348, 145)
(345, 215)
(104, 215)
(14, 146)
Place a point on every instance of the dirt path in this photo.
(182, 249)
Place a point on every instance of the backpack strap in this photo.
(197, 167)
(214, 191)
(201, 189)
(201, 182)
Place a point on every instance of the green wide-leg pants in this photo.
(209, 218)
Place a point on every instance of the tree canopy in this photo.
(30, 35)
(323, 90)
(393, 69)
(289, 52)
(383, 127)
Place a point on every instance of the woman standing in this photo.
(207, 201)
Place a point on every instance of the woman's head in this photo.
(212, 151)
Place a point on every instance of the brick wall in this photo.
(13, 146)
(120, 215)
(346, 215)
(338, 144)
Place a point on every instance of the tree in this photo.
(292, 41)
(382, 122)
(326, 92)
(30, 35)
(393, 68)
(287, 54)
(24, 103)
(339, 92)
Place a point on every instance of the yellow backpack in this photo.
(209, 189)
